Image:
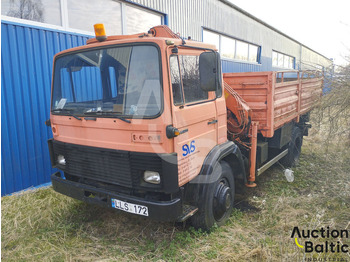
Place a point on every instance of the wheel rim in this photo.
(222, 201)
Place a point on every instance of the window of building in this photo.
(80, 16)
(211, 38)
(43, 11)
(291, 62)
(228, 47)
(232, 48)
(253, 53)
(282, 60)
(274, 58)
(286, 61)
(84, 16)
(138, 20)
(241, 51)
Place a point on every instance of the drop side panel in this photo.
(275, 104)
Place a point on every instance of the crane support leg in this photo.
(252, 155)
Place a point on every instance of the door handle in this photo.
(213, 122)
(184, 131)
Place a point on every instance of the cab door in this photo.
(194, 114)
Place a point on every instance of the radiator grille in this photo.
(110, 166)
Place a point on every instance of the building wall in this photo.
(196, 15)
(27, 54)
(26, 59)
(310, 59)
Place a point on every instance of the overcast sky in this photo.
(324, 26)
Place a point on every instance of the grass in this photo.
(42, 225)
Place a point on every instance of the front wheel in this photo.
(216, 198)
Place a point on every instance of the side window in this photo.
(190, 79)
(176, 81)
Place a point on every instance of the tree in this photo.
(27, 9)
(333, 112)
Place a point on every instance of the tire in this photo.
(294, 149)
(216, 199)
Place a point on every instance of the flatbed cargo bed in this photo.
(276, 98)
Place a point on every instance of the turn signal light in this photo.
(100, 32)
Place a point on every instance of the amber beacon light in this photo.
(100, 32)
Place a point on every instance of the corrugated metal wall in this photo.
(26, 58)
(230, 66)
(189, 17)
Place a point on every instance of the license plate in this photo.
(130, 207)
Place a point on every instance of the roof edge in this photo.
(269, 26)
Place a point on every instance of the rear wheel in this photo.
(216, 199)
(294, 148)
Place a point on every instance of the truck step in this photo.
(271, 162)
(188, 211)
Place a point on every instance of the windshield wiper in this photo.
(67, 111)
(113, 114)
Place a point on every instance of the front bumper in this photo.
(159, 210)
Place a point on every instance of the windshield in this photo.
(123, 81)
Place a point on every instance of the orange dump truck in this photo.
(148, 124)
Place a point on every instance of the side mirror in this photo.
(48, 122)
(208, 71)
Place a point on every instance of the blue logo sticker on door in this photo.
(188, 148)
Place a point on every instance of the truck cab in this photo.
(138, 123)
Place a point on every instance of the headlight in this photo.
(151, 177)
(61, 160)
